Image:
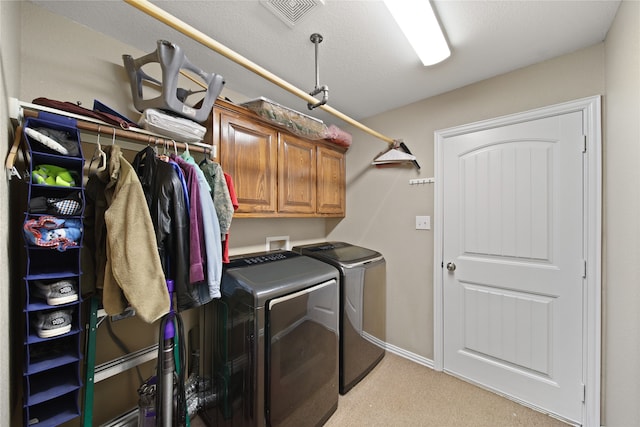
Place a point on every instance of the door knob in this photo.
(451, 266)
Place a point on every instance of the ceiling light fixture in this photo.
(421, 27)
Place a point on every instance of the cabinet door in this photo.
(331, 182)
(249, 155)
(296, 175)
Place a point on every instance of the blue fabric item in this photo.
(183, 181)
(49, 231)
(210, 232)
(187, 157)
(212, 239)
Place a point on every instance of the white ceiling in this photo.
(364, 59)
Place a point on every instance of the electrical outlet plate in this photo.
(423, 222)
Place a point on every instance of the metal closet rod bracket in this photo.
(316, 39)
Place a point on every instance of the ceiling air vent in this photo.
(291, 11)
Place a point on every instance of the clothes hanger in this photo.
(186, 155)
(99, 155)
(164, 157)
(208, 157)
(396, 154)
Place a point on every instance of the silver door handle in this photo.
(451, 266)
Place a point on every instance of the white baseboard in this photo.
(409, 355)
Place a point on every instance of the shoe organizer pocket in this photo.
(49, 137)
(45, 355)
(52, 383)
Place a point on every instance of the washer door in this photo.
(302, 356)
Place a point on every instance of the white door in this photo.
(513, 244)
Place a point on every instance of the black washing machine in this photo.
(362, 306)
(271, 342)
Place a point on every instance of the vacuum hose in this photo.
(167, 373)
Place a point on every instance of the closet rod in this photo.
(109, 130)
(170, 20)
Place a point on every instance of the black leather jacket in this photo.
(166, 200)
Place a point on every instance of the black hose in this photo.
(182, 401)
(122, 346)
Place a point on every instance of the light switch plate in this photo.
(423, 222)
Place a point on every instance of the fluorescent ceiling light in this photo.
(420, 25)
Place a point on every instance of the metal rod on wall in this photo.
(170, 20)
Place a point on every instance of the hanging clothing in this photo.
(120, 256)
(234, 203)
(221, 200)
(220, 193)
(196, 234)
(183, 181)
(211, 234)
(187, 157)
(166, 201)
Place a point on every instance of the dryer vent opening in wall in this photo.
(277, 243)
(291, 11)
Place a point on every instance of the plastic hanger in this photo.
(99, 155)
(396, 154)
(164, 157)
(208, 157)
(186, 155)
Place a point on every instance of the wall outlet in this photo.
(423, 222)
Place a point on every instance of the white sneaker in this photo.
(56, 293)
(53, 323)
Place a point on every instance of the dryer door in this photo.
(302, 356)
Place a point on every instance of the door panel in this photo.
(302, 356)
(296, 175)
(250, 157)
(331, 182)
(513, 210)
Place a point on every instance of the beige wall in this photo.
(384, 219)
(621, 277)
(61, 60)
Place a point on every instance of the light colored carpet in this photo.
(399, 393)
(402, 393)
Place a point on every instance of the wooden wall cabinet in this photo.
(276, 173)
(331, 182)
(249, 153)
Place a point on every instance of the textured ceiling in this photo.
(363, 59)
